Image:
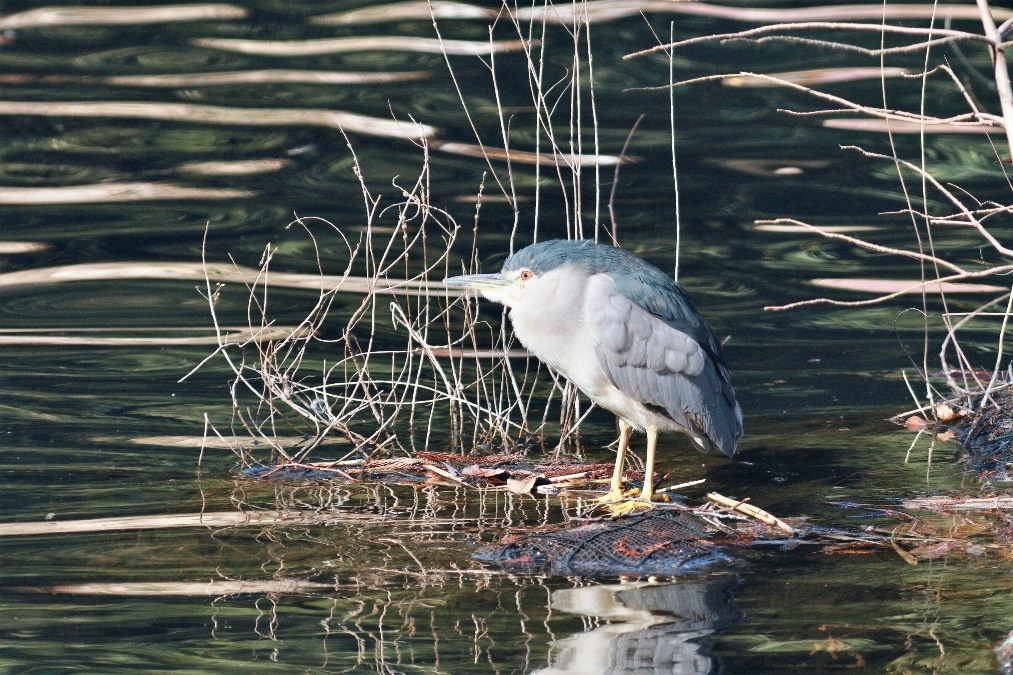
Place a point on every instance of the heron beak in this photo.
(479, 282)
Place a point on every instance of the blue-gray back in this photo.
(639, 281)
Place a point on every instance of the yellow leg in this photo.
(615, 492)
(646, 492)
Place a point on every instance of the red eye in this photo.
(526, 275)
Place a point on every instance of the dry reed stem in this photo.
(421, 376)
(971, 216)
(751, 511)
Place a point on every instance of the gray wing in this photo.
(667, 368)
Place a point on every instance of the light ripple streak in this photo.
(209, 114)
(118, 16)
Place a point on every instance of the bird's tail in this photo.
(716, 433)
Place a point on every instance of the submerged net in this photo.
(659, 542)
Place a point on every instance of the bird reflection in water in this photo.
(646, 627)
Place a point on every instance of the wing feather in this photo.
(663, 366)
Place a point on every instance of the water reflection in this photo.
(902, 127)
(114, 192)
(237, 168)
(360, 44)
(650, 627)
(95, 424)
(263, 77)
(118, 16)
(815, 76)
(610, 10)
(207, 114)
(218, 272)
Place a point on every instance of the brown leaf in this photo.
(947, 435)
(498, 476)
(945, 413)
(935, 550)
(916, 423)
(526, 486)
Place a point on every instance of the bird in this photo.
(626, 335)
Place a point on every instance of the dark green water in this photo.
(85, 422)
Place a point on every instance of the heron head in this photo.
(533, 274)
(509, 287)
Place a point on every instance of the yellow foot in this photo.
(631, 506)
(613, 496)
(621, 505)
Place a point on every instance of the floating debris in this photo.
(101, 193)
(984, 432)
(214, 519)
(211, 114)
(658, 542)
(118, 16)
(906, 286)
(997, 503)
(525, 157)
(133, 337)
(788, 228)
(249, 167)
(769, 167)
(212, 587)
(216, 273)
(262, 77)
(905, 127)
(402, 11)
(513, 473)
(384, 43)
(9, 247)
(815, 76)
(608, 10)
(751, 511)
(971, 524)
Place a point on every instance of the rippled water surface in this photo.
(137, 140)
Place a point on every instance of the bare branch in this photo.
(935, 34)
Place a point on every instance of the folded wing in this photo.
(665, 356)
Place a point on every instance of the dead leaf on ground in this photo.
(945, 413)
(527, 486)
(497, 475)
(947, 435)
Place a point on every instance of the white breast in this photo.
(559, 331)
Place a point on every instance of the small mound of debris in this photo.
(673, 540)
(984, 433)
(659, 542)
(987, 437)
(668, 540)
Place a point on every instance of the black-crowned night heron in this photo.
(624, 333)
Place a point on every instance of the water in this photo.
(96, 423)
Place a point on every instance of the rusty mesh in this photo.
(658, 542)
